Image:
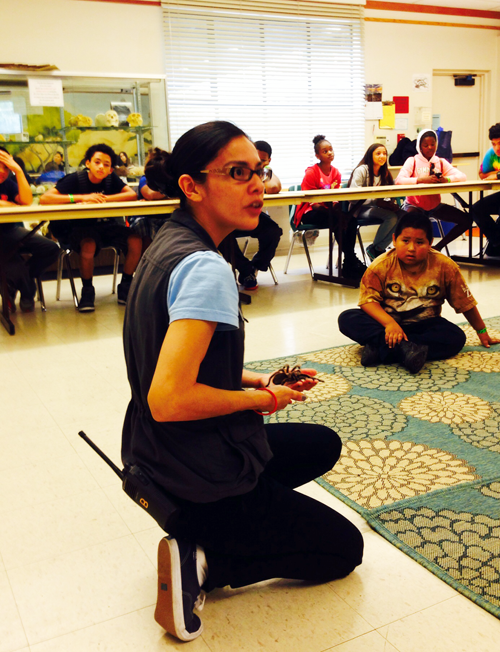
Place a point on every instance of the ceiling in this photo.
(484, 5)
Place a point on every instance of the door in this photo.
(460, 110)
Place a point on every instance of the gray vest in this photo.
(202, 460)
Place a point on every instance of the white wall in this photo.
(89, 37)
(78, 36)
(394, 52)
(109, 37)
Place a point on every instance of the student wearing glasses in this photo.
(194, 424)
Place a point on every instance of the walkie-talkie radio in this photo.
(140, 488)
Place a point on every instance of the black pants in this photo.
(320, 217)
(443, 338)
(43, 252)
(447, 213)
(274, 531)
(268, 233)
(482, 211)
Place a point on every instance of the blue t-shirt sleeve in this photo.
(202, 286)
(142, 182)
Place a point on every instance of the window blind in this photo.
(282, 71)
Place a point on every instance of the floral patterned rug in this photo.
(421, 454)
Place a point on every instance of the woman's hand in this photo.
(394, 334)
(300, 386)
(305, 384)
(284, 395)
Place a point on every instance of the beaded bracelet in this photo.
(266, 414)
(483, 330)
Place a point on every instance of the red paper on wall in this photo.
(402, 103)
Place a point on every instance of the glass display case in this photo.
(127, 114)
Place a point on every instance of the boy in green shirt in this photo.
(490, 205)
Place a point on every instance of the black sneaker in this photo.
(412, 356)
(370, 356)
(353, 268)
(27, 304)
(248, 282)
(122, 291)
(179, 590)
(86, 303)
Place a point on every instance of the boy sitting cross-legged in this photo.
(401, 297)
(96, 184)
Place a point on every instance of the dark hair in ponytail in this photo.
(154, 169)
(193, 152)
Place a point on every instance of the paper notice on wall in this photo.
(421, 82)
(46, 92)
(389, 116)
(373, 111)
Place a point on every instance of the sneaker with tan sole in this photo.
(179, 590)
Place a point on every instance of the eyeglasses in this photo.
(241, 172)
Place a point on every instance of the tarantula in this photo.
(287, 375)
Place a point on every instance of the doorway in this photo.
(462, 111)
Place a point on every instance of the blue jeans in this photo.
(388, 219)
(43, 252)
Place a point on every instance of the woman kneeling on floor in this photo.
(190, 425)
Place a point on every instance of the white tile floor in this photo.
(77, 564)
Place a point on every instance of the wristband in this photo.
(449, 179)
(483, 330)
(266, 414)
(71, 199)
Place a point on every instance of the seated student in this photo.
(371, 171)
(148, 190)
(51, 174)
(490, 205)
(124, 161)
(426, 167)
(268, 233)
(96, 184)
(43, 252)
(322, 176)
(58, 159)
(401, 297)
